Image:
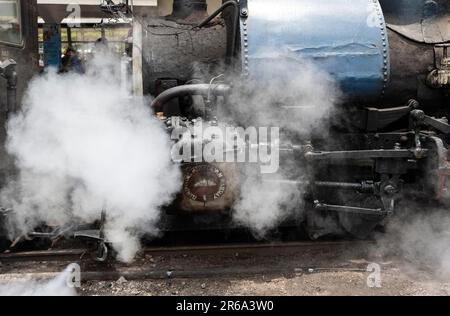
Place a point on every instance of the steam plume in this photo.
(298, 97)
(28, 287)
(82, 145)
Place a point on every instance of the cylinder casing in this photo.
(346, 38)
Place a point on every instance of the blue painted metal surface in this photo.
(346, 38)
(52, 45)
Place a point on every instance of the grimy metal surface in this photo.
(25, 54)
(171, 50)
(423, 21)
(346, 38)
(414, 27)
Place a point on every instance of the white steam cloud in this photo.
(262, 205)
(298, 97)
(421, 237)
(292, 94)
(58, 286)
(83, 145)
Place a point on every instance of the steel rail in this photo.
(78, 254)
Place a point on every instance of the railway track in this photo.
(47, 255)
(78, 254)
(206, 261)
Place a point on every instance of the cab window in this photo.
(10, 28)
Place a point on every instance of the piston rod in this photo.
(349, 209)
(363, 186)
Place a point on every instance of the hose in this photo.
(191, 89)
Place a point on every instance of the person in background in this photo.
(71, 62)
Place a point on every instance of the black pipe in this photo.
(232, 49)
(11, 92)
(8, 71)
(191, 89)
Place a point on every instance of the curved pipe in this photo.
(191, 89)
(235, 22)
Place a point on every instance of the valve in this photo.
(8, 71)
(440, 77)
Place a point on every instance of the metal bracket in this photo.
(244, 14)
(376, 119)
(98, 236)
(389, 190)
(419, 118)
(244, 8)
(440, 76)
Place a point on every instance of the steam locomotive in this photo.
(389, 135)
(389, 59)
